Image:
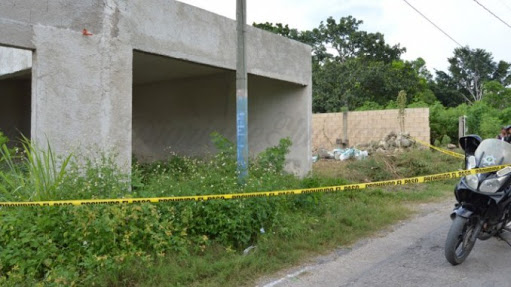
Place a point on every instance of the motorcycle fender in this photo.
(462, 212)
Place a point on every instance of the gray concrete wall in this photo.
(82, 93)
(74, 15)
(276, 110)
(14, 60)
(18, 18)
(179, 116)
(15, 108)
(185, 32)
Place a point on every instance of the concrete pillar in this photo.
(278, 110)
(345, 140)
(81, 93)
(462, 126)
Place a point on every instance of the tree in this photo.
(502, 73)
(471, 68)
(357, 81)
(496, 95)
(419, 65)
(446, 90)
(362, 66)
(343, 37)
(349, 42)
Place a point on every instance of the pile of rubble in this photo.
(391, 143)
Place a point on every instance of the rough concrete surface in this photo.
(14, 60)
(412, 254)
(185, 32)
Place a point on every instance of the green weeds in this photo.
(33, 175)
(187, 243)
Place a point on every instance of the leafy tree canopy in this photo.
(351, 66)
(496, 95)
(469, 69)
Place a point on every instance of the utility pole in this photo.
(241, 91)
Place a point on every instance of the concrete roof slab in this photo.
(150, 68)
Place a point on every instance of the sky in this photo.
(464, 20)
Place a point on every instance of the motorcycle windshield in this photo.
(493, 152)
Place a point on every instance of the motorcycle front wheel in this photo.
(460, 240)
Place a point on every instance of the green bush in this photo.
(482, 119)
(274, 157)
(444, 121)
(490, 126)
(445, 140)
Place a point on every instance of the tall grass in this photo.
(33, 174)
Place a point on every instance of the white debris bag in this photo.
(347, 154)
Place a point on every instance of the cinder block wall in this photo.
(367, 126)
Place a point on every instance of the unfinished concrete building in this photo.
(146, 78)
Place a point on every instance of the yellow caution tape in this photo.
(329, 189)
(451, 153)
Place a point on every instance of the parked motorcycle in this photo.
(483, 203)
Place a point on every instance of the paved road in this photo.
(411, 254)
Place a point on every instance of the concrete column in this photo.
(81, 93)
(345, 140)
(279, 109)
(462, 126)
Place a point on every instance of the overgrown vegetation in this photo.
(33, 175)
(186, 243)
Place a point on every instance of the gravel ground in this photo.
(409, 254)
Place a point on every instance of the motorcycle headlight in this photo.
(492, 184)
(472, 181)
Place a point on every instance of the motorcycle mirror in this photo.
(505, 171)
(471, 161)
(470, 143)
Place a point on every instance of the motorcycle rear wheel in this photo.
(460, 240)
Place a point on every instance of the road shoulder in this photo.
(346, 264)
